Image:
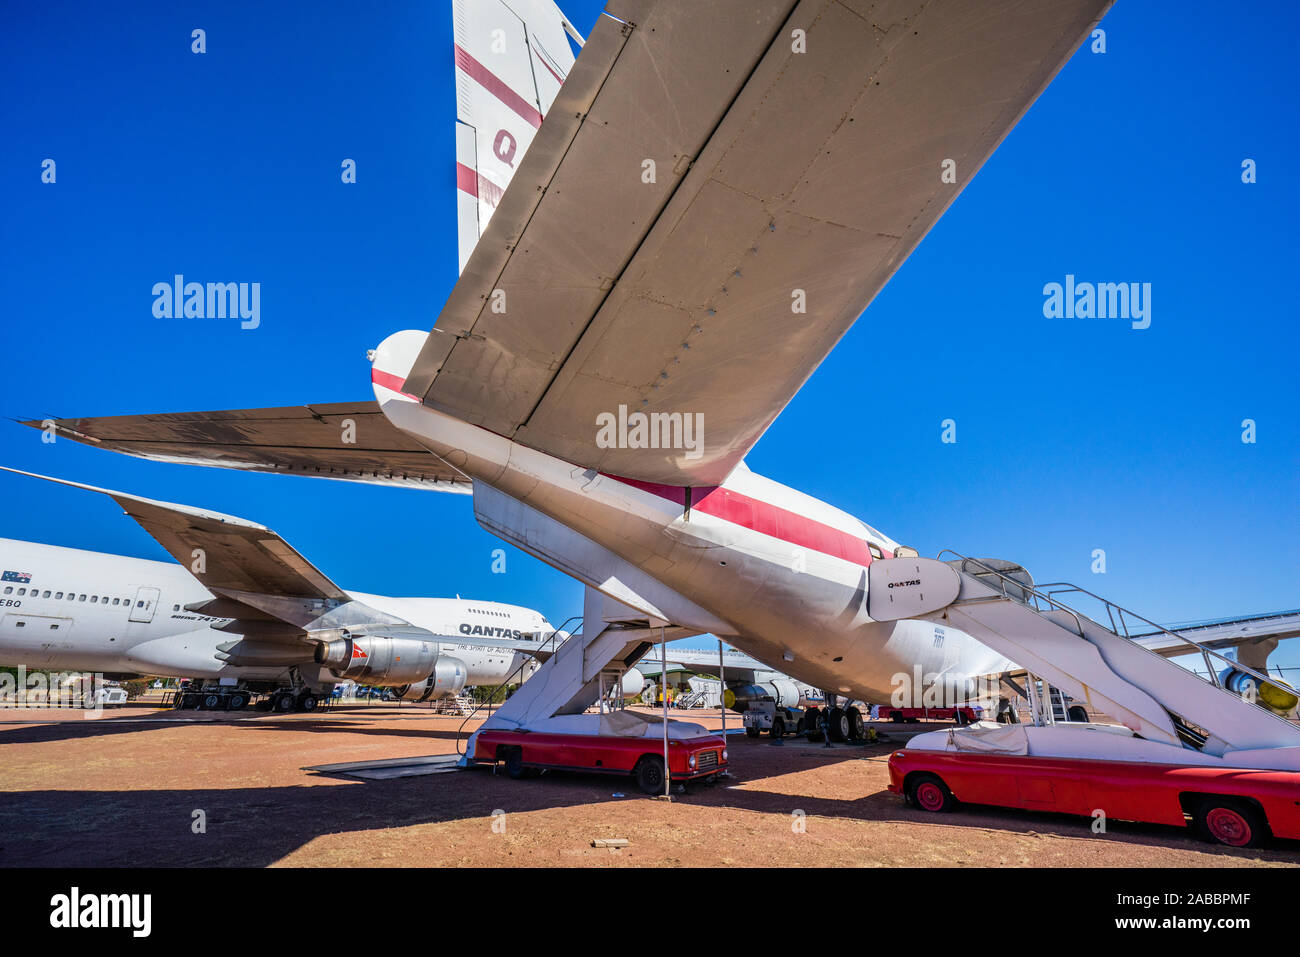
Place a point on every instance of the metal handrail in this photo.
(505, 683)
(1112, 609)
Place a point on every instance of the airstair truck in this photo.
(1183, 748)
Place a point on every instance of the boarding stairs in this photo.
(1105, 668)
(456, 705)
(614, 637)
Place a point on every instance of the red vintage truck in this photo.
(623, 742)
(1110, 774)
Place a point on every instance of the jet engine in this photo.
(380, 660)
(1271, 696)
(448, 678)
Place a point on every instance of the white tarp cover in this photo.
(620, 724)
(989, 736)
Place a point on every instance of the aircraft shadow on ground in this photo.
(255, 827)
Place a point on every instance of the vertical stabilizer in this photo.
(511, 58)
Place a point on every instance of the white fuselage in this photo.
(87, 611)
(780, 574)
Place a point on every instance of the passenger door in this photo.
(146, 598)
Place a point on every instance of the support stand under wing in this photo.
(614, 637)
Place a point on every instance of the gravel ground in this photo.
(124, 789)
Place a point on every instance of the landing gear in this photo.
(307, 702)
(856, 726)
(283, 702)
(237, 701)
(837, 725)
(812, 725)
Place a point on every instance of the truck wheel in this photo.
(778, 728)
(801, 728)
(928, 793)
(896, 717)
(751, 731)
(857, 729)
(1234, 823)
(812, 724)
(649, 774)
(515, 763)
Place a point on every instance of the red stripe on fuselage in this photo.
(496, 86)
(390, 381)
(762, 517)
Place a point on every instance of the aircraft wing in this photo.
(225, 553)
(342, 440)
(738, 666)
(717, 193)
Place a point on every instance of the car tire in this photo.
(927, 792)
(649, 774)
(1230, 822)
(515, 764)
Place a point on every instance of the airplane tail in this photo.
(511, 58)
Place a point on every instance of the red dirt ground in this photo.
(122, 789)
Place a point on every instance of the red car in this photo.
(691, 756)
(1234, 806)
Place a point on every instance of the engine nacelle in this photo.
(1248, 686)
(379, 660)
(448, 678)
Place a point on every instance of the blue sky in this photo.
(1072, 435)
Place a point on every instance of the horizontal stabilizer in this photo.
(342, 440)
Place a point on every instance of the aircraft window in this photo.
(81, 598)
(9, 590)
(22, 624)
(139, 604)
(54, 627)
(176, 607)
(22, 591)
(45, 594)
(94, 599)
(116, 600)
(875, 550)
(58, 594)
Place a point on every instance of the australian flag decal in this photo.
(21, 577)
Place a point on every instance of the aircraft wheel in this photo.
(812, 724)
(237, 701)
(778, 728)
(837, 725)
(649, 774)
(211, 702)
(1234, 823)
(857, 728)
(929, 793)
(282, 702)
(308, 702)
